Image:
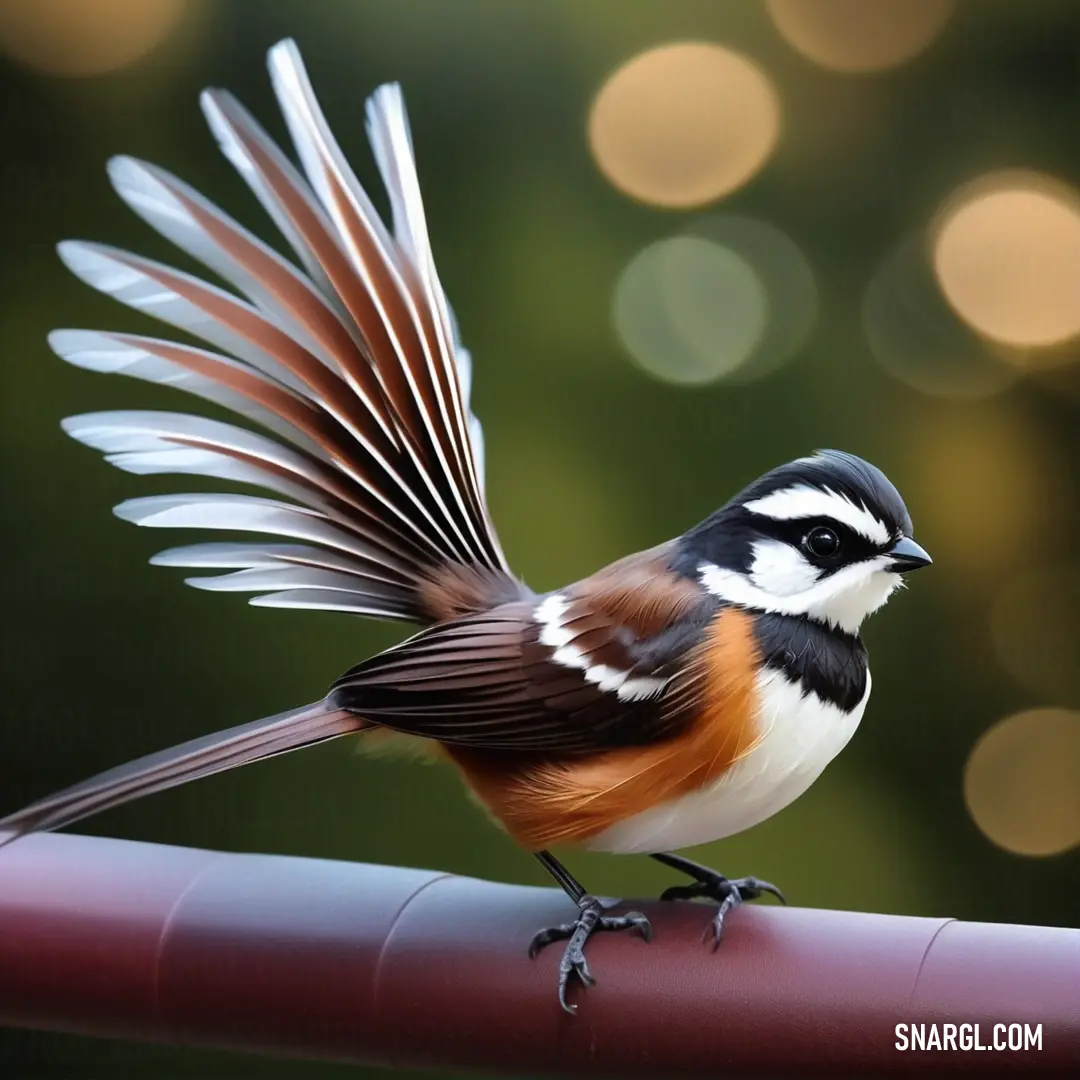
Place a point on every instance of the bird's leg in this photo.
(590, 918)
(729, 893)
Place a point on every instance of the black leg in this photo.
(729, 893)
(590, 918)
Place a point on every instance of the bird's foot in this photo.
(729, 893)
(591, 918)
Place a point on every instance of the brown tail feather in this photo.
(205, 756)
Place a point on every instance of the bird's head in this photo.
(827, 537)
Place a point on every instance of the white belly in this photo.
(800, 735)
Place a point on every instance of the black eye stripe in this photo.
(854, 547)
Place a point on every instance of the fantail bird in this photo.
(678, 696)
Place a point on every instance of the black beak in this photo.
(907, 556)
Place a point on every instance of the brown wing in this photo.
(586, 668)
(543, 800)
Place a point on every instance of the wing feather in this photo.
(490, 682)
(272, 284)
(351, 359)
(391, 140)
(283, 193)
(423, 370)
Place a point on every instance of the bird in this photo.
(680, 695)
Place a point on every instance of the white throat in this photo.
(799, 734)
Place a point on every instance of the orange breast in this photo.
(546, 801)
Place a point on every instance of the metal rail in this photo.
(312, 958)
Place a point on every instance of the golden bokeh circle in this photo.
(857, 36)
(916, 336)
(986, 481)
(684, 124)
(1022, 782)
(1035, 631)
(84, 37)
(1006, 251)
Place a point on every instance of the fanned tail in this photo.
(211, 754)
(349, 362)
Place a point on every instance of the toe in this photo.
(761, 887)
(730, 902)
(752, 888)
(718, 929)
(574, 963)
(546, 937)
(584, 974)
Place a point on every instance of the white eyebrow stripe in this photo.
(803, 501)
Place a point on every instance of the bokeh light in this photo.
(683, 124)
(787, 278)
(1007, 256)
(855, 36)
(986, 485)
(84, 37)
(1022, 782)
(1035, 627)
(917, 338)
(689, 310)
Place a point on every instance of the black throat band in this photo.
(824, 660)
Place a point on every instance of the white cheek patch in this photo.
(781, 569)
(842, 599)
(550, 614)
(803, 501)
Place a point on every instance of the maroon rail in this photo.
(311, 958)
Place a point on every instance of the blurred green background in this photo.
(894, 353)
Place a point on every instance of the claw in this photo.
(760, 887)
(591, 918)
(641, 925)
(729, 893)
(546, 937)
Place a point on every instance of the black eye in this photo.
(822, 542)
